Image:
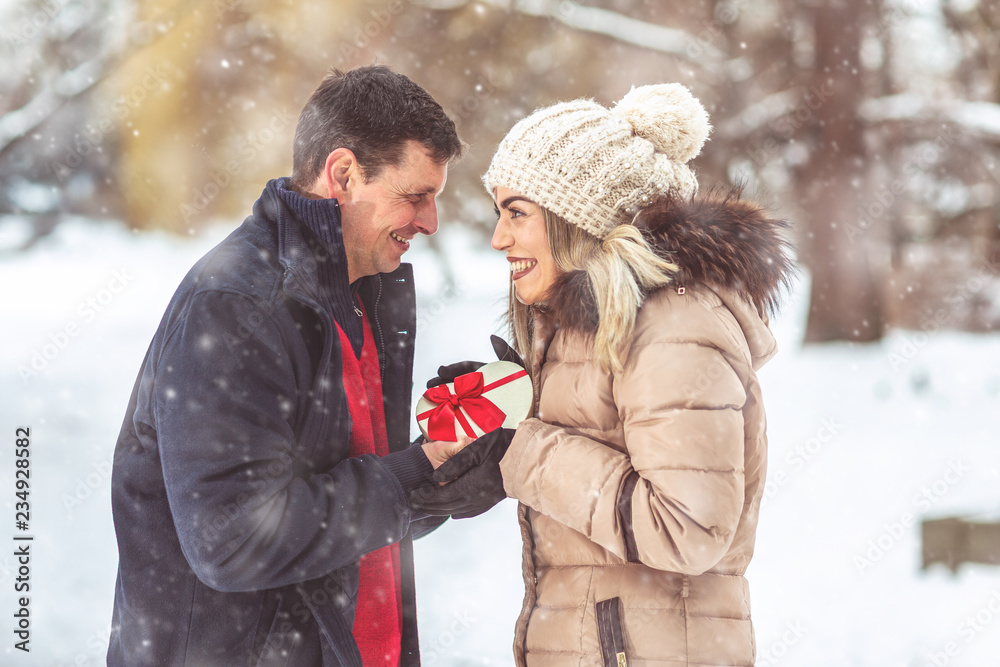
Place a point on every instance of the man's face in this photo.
(381, 216)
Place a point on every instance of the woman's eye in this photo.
(515, 213)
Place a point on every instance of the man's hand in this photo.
(437, 451)
(471, 477)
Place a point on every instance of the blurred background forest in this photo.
(874, 125)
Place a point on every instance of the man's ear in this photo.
(340, 174)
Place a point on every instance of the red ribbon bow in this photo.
(469, 397)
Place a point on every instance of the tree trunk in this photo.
(845, 301)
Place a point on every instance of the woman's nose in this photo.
(501, 236)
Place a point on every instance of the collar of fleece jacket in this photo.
(718, 239)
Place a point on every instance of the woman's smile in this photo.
(520, 267)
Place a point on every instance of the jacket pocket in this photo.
(611, 633)
(625, 516)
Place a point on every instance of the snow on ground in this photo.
(865, 440)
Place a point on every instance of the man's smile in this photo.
(401, 240)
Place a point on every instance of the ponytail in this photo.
(622, 271)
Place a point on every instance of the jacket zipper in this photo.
(378, 327)
(611, 632)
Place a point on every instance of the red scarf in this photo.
(379, 614)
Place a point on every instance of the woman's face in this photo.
(520, 233)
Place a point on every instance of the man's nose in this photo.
(427, 218)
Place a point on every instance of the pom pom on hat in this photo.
(667, 115)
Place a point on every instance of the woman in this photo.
(641, 312)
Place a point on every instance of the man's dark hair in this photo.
(373, 112)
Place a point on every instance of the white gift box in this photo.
(497, 395)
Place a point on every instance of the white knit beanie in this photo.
(598, 167)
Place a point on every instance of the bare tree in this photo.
(845, 298)
(820, 107)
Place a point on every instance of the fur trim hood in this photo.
(718, 240)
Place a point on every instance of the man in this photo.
(262, 475)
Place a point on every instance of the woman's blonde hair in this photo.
(621, 269)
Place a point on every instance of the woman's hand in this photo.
(470, 483)
(438, 451)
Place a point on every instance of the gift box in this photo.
(497, 395)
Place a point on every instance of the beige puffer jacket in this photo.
(639, 491)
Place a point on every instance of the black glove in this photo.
(451, 371)
(448, 373)
(472, 480)
(504, 351)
